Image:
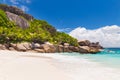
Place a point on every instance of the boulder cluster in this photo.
(89, 47)
(84, 47)
(16, 15)
(17, 11)
(26, 46)
(20, 21)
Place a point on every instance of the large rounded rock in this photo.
(2, 47)
(20, 21)
(52, 48)
(74, 49)
(84, 43)
(48, 48)
(84, 49)
(94, 50)
(87, 49)
(11, 49)
(27, 45)
(60, 48)
(16, 11)
(96, 45)
(35, 45)
(71, 48)
(66, 44)
(66, 49)
(21, 46)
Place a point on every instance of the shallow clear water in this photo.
(109, 57)
(101, 66)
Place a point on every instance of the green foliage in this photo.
(62, 37)
(39, 31)
(4, 22)
(44, 25)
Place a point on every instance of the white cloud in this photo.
(14, 2)
(18, 3)
(24, 8)
(108, 36)
(64, 30)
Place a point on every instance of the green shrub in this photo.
(39, 31)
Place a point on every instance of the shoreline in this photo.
(33, 66)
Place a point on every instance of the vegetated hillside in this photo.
(37, 31)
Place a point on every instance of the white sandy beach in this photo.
(33, 66)
(24, 66)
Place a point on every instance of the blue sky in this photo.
(69, 14)
(94, 20)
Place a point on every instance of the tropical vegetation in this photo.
(39, 31)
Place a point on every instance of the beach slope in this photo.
(28, 66)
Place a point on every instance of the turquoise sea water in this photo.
(104, 65)
(109, 57)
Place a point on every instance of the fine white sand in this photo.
(34, 66)
(28, 66)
